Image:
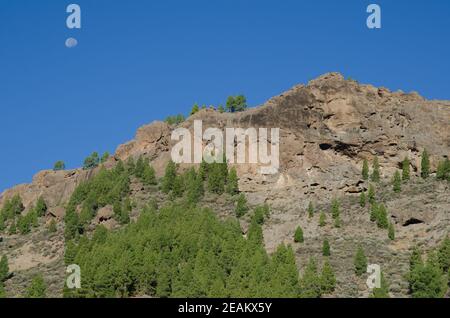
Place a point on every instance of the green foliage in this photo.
(2, 291)
(375, 177)
(415, 259)
(178, 187)
(365, 170)
(327, 278)
(382, 220)
(217, 177)
(298, 236)
(371, 194)
(59, 165)
(221, 109)
(232, 187)
(175, 120)
(261, 212)
(236, 103)
(443, 170)
(362, 199)
(444, 255)
(383, 291)
(405, 169)
(322, 219)
(310, 210)
(427, 280)
(92, 161)
(241, 206)
(37, 288)
(4, 269)
(425, 165)
(195, 109)
(194, 186)
(12, 207)
(169, 177)
(311, 283)
(360, 262)
(41, 207)
(397, 182)
(374, 212)
(326, 248)
(391, 231)
(184, 251)
(335, 212)
(105, 157)
(148, 176)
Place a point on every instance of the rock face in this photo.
(326, 129)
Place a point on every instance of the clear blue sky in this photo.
(138, 61)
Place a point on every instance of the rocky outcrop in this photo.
(327, 128)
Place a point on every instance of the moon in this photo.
(71, 42)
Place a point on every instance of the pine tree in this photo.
(444, 254)
(427, 280)
(139, 168)
(310, 210)
(41, 207)
(221, 109)
(415, 259)
(383, 291)
(375, 177)
(360, 262)
(149, 175)
(327, 278)
(374, 212)
(335, 208)
(382, 220)
(4, 269)
(371, 194)
(362, 199)
(397, 182)
(169, 177)
(241, 206)
(322, 219)
(310, 283)
(443, 170)
(37, 289)
(425, 165)
(391, 232)
(326, 248)
(195, 109)
(178, 187)
(59, 165)
(92, 161)
(298, 236)
(405, 169)
(105, 157)
(365, 170)
(232, 182)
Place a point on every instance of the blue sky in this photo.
(138, 61)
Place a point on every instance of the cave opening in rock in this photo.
(412, 221)
(325, 146)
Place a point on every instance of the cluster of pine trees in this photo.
(15, 221)
(182, 251)
(430, 278)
